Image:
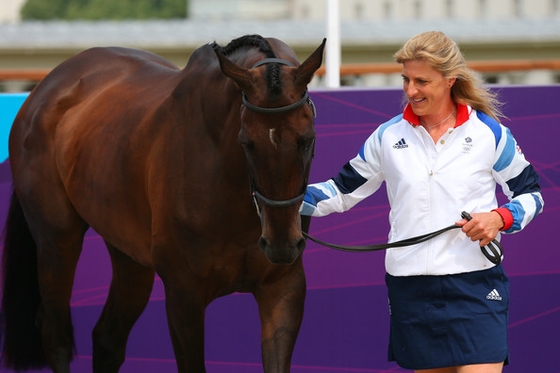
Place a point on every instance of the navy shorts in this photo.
(444, 321)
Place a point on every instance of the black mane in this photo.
(260, 43)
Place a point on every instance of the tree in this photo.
(103, 9)
(43, 10)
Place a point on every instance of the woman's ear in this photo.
(451, 81)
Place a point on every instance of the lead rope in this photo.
(493, 251)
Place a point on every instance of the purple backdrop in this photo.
(345, 328)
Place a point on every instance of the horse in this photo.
(193, 174)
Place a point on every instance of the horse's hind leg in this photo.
(129, 294)
(57, 259)
(39, 267)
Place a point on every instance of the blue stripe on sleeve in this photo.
(314, 195)
(526, 182)
(492, 124)
(380, 131)
(361, 153)
(307, 209)
(538, 203)
(507, 154)
(386, 125)
(518, 213)
(348, 179)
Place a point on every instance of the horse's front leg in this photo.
(281, 304)
(185, 317)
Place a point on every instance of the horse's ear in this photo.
(238, 74)
(305, 71)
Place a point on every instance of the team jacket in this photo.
(429, 184)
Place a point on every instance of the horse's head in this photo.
(278, 137)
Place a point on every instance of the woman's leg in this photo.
(438, 370)
(474, 368)
(481, 368)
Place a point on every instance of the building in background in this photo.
(517, 41)
(9, 11)
(377, 10)
(416, 10)
(239, 9)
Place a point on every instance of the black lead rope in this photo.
(493, 251)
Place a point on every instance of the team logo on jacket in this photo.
(467, 145)
(401, 144)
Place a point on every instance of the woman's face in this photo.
(427, 90)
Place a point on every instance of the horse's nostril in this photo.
(301, 245)
(282, 253)
(263, 243)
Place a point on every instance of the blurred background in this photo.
(507, 41)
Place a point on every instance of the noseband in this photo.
(257, 196)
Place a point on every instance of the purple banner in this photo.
(345, 328)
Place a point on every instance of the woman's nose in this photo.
(410, 89)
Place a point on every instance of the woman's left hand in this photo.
(483, 227)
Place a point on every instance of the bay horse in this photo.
(167, 166)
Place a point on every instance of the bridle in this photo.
(257, 196)
(281, 109)
(274, 110)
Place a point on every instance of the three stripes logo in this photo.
(494, 295)
(401, 144)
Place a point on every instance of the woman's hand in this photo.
(483, 227)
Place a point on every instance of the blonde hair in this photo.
(443, 54)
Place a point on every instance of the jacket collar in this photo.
(463, 112)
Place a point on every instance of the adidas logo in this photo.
(401, 144)
(494, 295)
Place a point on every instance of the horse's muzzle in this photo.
(282, 253)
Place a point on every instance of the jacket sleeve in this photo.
(519, 182)
(358, 179)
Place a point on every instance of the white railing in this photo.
(366, 74)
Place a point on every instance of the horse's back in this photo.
(92, 81)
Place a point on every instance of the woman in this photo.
(444, 154)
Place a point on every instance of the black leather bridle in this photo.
(493, 251)
(257, 196)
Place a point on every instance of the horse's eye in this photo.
(245, 140)
(248, 145)
(307, 144)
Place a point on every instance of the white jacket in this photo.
(428, 185)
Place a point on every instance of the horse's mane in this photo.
(260, 43)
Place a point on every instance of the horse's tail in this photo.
(19, 328)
